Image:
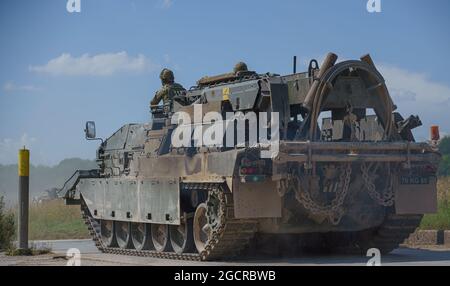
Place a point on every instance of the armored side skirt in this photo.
(149, 200)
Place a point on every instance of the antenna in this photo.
(295, 64)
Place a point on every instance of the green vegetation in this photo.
(6, 226)
(54, 220)
(444, 148)
(33, 250)
(441, 219)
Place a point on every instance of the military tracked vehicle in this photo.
(344, 173)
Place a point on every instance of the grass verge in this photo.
(6, 226)
(32, 251)
(441, 219)
(55, 220)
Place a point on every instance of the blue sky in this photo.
(59, 69)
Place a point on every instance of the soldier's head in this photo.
(166, 76)
(240, 67)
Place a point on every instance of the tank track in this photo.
(227, 240)
(393, 232)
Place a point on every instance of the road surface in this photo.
(91, 256)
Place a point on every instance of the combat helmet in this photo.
(166, 76)
(240, 67)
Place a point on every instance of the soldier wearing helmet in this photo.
(240, 67)
(169, 90)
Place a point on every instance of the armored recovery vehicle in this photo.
(345, 173)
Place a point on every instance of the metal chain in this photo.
(333, 211)
(387, 197)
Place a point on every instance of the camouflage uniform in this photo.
(169, 90)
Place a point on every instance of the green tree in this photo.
(444, 148)
(444, 166)
(444, 145)
(6, 226)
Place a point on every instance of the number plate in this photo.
(408, 180)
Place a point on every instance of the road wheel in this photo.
(201, 228)
(107, 231)
(181, 237)
(160, 237)
(123, 234)
(140, 235)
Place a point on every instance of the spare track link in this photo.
(230, 238)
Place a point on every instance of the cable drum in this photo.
(325, 85)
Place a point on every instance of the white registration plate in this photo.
(414, 180)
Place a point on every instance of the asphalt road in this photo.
(91, 256)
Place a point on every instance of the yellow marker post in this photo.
(24, 193)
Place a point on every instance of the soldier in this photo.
(240, 67)
(168, 91)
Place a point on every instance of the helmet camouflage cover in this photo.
(240, 66)
(167, 76)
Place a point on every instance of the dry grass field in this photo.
(54, 220)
